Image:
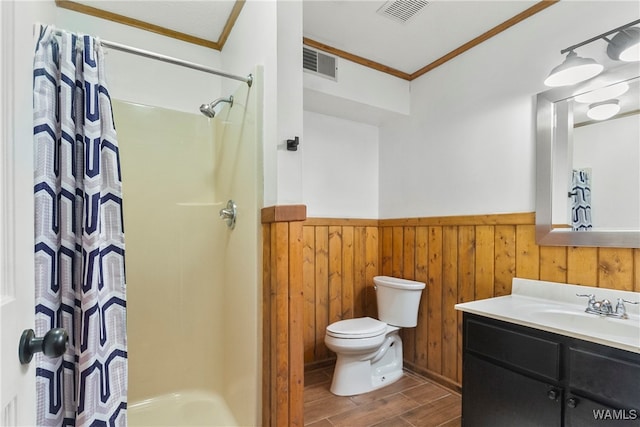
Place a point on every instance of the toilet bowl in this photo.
(369, 351)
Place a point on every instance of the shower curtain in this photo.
(79, 236)
(581, 206)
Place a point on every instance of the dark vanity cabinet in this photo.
(519, 376)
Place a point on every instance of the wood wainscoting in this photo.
(282, 319)
(467, 258)
(340, 259)
(321, 270)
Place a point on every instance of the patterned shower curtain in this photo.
(79, 236)
(581, 206)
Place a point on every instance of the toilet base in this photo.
(355, 374)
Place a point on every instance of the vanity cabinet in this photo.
(515, 375)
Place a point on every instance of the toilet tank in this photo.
(398, 300)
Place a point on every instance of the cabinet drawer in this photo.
(605, 376)
(532, 354)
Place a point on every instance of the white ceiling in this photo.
(203, 19)
(437, 29)
(352, 26)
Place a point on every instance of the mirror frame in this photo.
(546, 147)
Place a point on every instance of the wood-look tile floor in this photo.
(411, 401)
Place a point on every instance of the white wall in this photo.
(468, 147)
(340, 148)
(359, 93)
(340, 167)
(289, 101)
(253, 42)
(146, 81)
(269, 33)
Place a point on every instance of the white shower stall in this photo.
(192, 282)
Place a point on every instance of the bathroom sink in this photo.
(587, 323)
(558, 308)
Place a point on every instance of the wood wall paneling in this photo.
(284, 322)
(459, 258)
(321, 270)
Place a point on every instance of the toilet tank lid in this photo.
(362, 327)
(396, 282)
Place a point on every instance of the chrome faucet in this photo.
(604, 307)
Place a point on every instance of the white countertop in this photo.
(554, 307)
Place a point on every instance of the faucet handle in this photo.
(621, 309)
(592, 297)
(592, 305)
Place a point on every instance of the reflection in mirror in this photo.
(603, 173)
(588, 166)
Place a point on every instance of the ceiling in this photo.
(354, 27)
(435, 30)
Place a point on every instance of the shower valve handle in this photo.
(229, 214)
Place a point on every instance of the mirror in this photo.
(588, 171)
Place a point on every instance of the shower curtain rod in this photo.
(171, 60)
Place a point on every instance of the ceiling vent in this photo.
(401, 10)
(319, 63)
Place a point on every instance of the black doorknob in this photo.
(553, 394)
(53, 344)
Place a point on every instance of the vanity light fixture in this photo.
(574, 69)
(602, 94)
(603, 110)
(623, 46)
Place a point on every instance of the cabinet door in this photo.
(611, 378)
(582, 412)
(496, 397)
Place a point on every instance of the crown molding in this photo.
(449, 56)
(136, 23)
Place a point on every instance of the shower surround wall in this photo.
(192, 283)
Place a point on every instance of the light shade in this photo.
(603, 110)
(573, 70)
(602, 94)
(625, 46)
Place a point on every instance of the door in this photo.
(498, 397)
(583, 412)
(17, 382)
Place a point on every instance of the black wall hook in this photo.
(292, 144)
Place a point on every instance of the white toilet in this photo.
(370, 351)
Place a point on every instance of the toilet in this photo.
(369, 351)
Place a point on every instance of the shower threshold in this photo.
(181, 409)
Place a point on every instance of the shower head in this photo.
(208, 109)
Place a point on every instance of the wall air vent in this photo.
(401, 10)
(319, 63)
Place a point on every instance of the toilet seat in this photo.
(363, 327)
